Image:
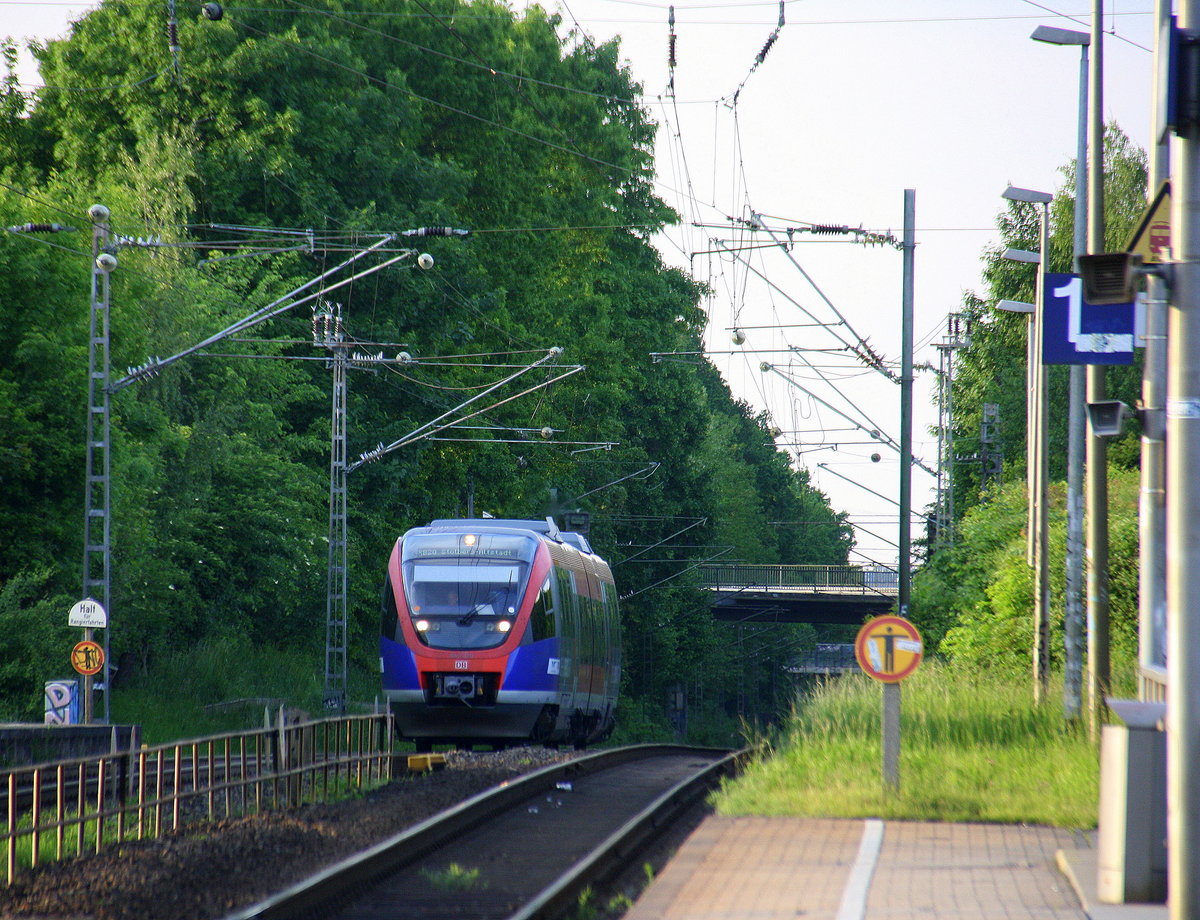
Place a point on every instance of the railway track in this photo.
(526, 850)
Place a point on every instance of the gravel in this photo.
(211, 869)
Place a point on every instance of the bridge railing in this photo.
(847, 579)
(826, 658)
(64, 809)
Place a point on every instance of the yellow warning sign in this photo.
(888, 648)
(87, 657)
(1151, 238)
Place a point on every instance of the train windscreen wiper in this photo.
(466, 619)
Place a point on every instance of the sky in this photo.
(854, 102)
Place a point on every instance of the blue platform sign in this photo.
(1077, 332)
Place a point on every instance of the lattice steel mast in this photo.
(97, 555)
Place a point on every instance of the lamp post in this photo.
(1016, 306)
(1037, 473)
(1076, 433)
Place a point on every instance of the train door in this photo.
(612, 627)
(596, 641)
(566, 614)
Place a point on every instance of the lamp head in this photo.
(1015, 306)
(1012, 193)
(1052, 36)
(1022, 255)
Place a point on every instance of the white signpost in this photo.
(88, 614)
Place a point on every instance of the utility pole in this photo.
(1183, 512)
(328, 332)
(1073, 605)
(1097, 448)
(906, 401)
(97, 531)
(1041, 570)
(1076, 423)
(1152, 503)
(991, 459)
(946, 350)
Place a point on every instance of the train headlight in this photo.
(422, 625)
(504, 626)
(469, 539)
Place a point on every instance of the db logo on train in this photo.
(87, 657)
(888, 648)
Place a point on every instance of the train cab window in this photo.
(465, 593)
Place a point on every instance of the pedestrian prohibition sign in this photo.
(87, 657)
(888, 648)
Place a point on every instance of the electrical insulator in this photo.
(671, 46)
(766, 47)
(828, 229)
(40, 228)
(436, 231)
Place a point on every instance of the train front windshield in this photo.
(464, 589)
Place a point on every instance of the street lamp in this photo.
(1038, 472)
(1076, 434)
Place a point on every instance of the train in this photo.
(499, 632)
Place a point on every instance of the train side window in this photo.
(542, 617)
(567, 615)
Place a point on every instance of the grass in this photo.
(190, 693)
(973, 747)
(453, 878)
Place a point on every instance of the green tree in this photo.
(313, 123)
(992, 369)
(973, 598)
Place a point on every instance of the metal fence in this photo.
(826, 658)
(854, 579)
(64, 809)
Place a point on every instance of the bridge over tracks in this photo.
(846, 594)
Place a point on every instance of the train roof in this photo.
(546, 527)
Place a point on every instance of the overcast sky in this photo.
(855, 101)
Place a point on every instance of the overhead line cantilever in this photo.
(875, 433)
(154, 365)
(860, 341)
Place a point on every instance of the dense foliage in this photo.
(322, 126)
(973, 597)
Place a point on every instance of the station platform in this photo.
(754, 868)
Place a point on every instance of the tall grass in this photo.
(974, 747)
(194, 691)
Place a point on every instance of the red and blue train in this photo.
(499, 632)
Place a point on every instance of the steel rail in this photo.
(314, 895)
(614, 854)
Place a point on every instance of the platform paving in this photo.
(755, 868)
